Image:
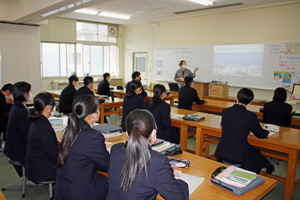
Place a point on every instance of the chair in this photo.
(50, 184)
(23, 182)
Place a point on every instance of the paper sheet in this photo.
(176, 116)
(192, 181)
(111, 135)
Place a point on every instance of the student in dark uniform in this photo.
(161, 112)
(136, 76)
(138, 172)
(67, 95)
(42, 151)
(82, 153)
(18, 125)
(6, 103)
(131, 100)
(277, 112)
(187, 95)
(237, 123)
(88, 82)
(103, 86)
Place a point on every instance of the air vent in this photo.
(209, 8)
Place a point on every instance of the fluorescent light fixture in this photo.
(113, 15)
(203, 2)
(90, 12)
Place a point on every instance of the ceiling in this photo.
(158, 9)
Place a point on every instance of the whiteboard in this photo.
(284, 57)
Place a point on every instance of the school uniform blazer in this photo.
(16, 133)
(237, 122)
(162, 117)
(66, 99)
(278, 113)
(103, 88)
(42, 151)
(78, 178)
(4, 107)
(187, 96)
(142, 94)
(83, 90)
(129, 104)
(160, 179)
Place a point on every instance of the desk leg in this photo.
(172, 102)
(199, 142)
(183, 137)
(206, 152)
(101, 120)
(290, 174)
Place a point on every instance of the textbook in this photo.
(107, 128)
(162, 146)
(194, 117)
(236, 176)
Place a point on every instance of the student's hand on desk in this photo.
(206, 100)
(9, 101)
(100, 97)
(176, 174)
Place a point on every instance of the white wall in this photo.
(20, 55)
(274, 23)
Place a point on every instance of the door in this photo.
(140, 65)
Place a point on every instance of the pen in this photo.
(176, 167)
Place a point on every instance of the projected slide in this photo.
(239, 60)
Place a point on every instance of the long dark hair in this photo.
(157, 92)
(132, 87)
(139, 125)
(82, 106)
(20, 88)
(40, 102)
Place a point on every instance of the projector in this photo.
(219, 82)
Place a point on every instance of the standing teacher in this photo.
(182, 73)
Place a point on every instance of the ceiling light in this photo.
(90, 12)
(203, 2)
(113, 15)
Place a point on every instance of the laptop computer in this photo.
(173, 87)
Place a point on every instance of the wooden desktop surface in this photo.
(2, 196)
(203, 167)
(257, 102)
(287, 141)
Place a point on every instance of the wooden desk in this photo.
(257, 102)
(287, 141)
(54, 93)
(105, 108)
(2, 196)
(121, 94)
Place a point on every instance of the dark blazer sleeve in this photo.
(49, 142)
(98, 153)
(107, 90)
(256, 128)
(140, 103)
(24, 123)
(197, 99)
(4, 107)
(166, 116)
(143, 93)
(289, 119)
(265, 112)
(167, 185)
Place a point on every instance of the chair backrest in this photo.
(173, 87)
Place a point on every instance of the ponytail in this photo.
(139, 124)
(70, 135)
(155, 101)
(40, 101)
(33, 115)
(133, 85)
(137, 159)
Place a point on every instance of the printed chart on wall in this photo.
(267, 66)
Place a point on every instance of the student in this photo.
(138, 172)
(136, 76)
(6, 103)
(237, 122)
(277, 112)
(187, 95)
(67, 95)
(18, 125)
(88, 82)
(182, 73)
(131, 100)
(103, 86)
(82, 153)
(42, 151)
(161, 112)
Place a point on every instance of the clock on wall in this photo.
(112, 31)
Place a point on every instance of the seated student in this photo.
(187, 95)
(18, 125)
(42, 151)
(136, 76)
(138, 172)
(82, 153)
(277, 112)
(67, 95)
(103, 86)
(237, 122)
(88, 82)
(131, 100)
(6, 103)
(161, 112)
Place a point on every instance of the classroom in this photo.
(32, 31)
